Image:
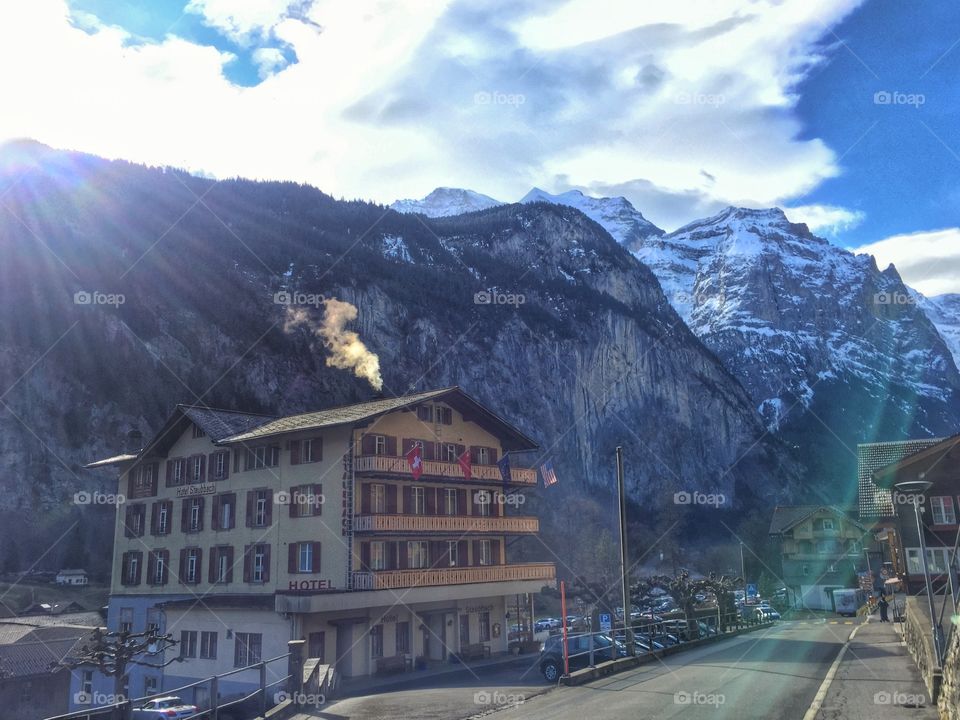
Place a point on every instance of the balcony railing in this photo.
(388, 464)
(445, 523)
(392, 579)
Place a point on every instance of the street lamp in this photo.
(916, 488)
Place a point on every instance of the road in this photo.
(773, 673)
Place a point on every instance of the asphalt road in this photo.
(773, 673)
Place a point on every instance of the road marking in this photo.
(825, 685)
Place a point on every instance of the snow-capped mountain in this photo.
(944, 313)
(794, 318)
(446, 201)
(616, 215)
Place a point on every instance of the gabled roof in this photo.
(41, 657)
(360, 413)
(788, 516)
(916, 463)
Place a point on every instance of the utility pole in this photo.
(624, 567)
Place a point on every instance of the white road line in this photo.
(821, 695)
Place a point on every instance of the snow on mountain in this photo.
(616, 215)
(446, 201)
(791, 315)
(944, 312)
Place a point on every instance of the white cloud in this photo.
(825, 219)
(927, 261)
(268, 61)
(691, 101)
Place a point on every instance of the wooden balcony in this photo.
(460, 524)
(392, 579)
(436, 469)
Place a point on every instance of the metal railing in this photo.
(392, 579)
(445, 523)
(441, 469)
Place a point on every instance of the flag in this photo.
(504, 465)
(549, 476)
(465, 464)
(415, 461)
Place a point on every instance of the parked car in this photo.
(546, 624)
(763, 611)
(164, 708)
(578, 649)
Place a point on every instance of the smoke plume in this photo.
(347, 350)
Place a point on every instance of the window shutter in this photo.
(183, 566)
(407, 500)
(368, 444)
(151, 567)
(365, 556)
(169, 473)
(269, 513)
(124, 564)
(365, 497)
(247, 563)
(185, 515)
(462, 501)
(431, 500)
(408, 444)
(402, 555)
(391, 445)
(492, 452)
(236, 460)
(496, 508)
(130, 476)
(127, 528)
(461, 449)
(318, 499)
(228, 551)
(155, 518)
(429, 450)
(294, 452)
(199, 566)
(436, 554)
(212, 569)
(292, 565)
(203, 466)
(390, 549)
(203, 507)
(316, 558)
(251, 500)
(231, 499)
(391, 492)
(266, 563)
(462, 560)
(424, 413)
(447, 416)
(495, 552)
(226, 464)
(474, 455)
(293, 508)
(215, 513)
(139, 556)
(165, 554)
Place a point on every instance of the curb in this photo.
(611, 667)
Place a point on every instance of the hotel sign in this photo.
(308, 585)
(194, 490)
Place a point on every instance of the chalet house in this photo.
(72, 577)
(939, 463)
(241, 532)
(821, 549)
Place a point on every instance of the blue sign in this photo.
(605, 624)
(751, 590)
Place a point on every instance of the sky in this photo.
(843, 112)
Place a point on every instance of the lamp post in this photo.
(916, 488)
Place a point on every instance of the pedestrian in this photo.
(883, 604)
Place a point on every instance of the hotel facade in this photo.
(240, 532)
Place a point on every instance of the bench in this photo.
(476, 651)
(394, 664)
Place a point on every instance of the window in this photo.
(942, 511)
(196, 471)
(378, 555)
(179, 471)
(221, 564)
(380, 444)
(153, 620)
(190, 568)
(194, 515)
(484, 631)
(158, 568)
(150, 685)
(305, 563)
(131, 567)
(311, 450)
(418, 501)
(482, 501)
(483, 456)
(125, 624)
(224, 511)
(376, 641)
(403, 637)
(378, 498)
(824, 524)
(450, 501)
(246, 649)
(198, 431)
(86, 683)
(259, 563)
(936, 560)
(453, 552)
(417, 554)
(805, 570)
(188, 643)
(448, 452)
(143, 482)
(263, 457)
(827, 547)
(258, 508)
(486, 557)
(163, 518)
(306, 500)
(219, 469)
(441, 415)
(134, 520)
(208, 644)
(316, 645)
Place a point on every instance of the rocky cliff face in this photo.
(533, 309)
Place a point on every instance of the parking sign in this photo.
(751, 590)
(605, 624)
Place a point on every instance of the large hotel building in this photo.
(240, 532)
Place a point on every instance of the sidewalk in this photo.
(877, 678)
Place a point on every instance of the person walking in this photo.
(883, 605)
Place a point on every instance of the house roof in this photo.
(40, 657)
(359, 413)
(787, 516)
(916, 463)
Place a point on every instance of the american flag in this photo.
(549, 476)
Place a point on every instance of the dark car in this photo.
(578, 649)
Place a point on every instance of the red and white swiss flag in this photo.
(415, 461)
(465, 464)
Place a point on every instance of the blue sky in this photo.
(843, 112)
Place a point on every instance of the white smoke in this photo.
(347, 350)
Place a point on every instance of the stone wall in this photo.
(919, 640)
(949, 701)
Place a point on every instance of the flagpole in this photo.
(624, 568)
